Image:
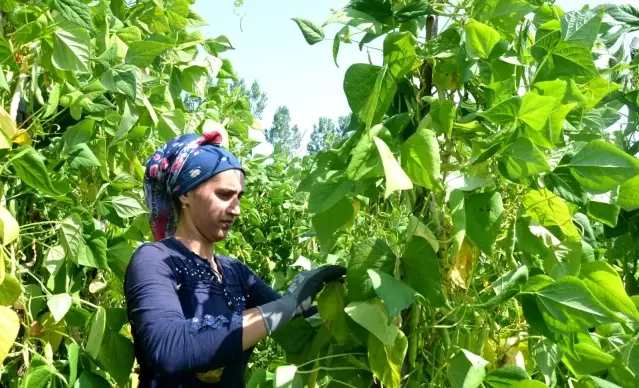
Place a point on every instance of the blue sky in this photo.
(270, 48)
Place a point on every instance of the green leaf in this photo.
(76, 12)
(413, 10)
(624, 13)
(547, 356)
(9, 228)
(117, 356)
(59, 305)
(549, 210)
(603, 208)
(330, 221)
(71, 236)
(32, 171)
(88, 379)
(129, 34)
(394, 294)
(82, 156)
(325, 195)
(331, 304)
(587, 359)
(479, 39)
(522, 159)
(96, 333)
(562, 183)
(178, 14)
(563, 260)
(39, 376)
(120, 80)
(52, 102)
(466, 370)
(629, 194)
(506, 377)
(311, 31)
(421, 159)
(581, 27)
(421, 268)
(369, 90)
(484, 213)
(443, 117)
(195, 80)
(9, 326)
(171, 124)
(10, 290)
(535, 109)
(370, 254)
(78, 134)
(386, 360)
(127, 206)
(372, 316)
(505, 113)
(600, 166)
(129, 118)
(71, 49)
(358, 19)
(365, 160)
(568, 306)
(143, 53)
(606, 285)
(286, 377)
(399, 53)
(396, 178)
(218, 45)
(507, 286)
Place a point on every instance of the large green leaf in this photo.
(522, 159)
(96, 333)
(581, 27)
(76, 12)
(126, 206)
(568, 306)
(369, 254)
(372, 316)
(177, 14)
(328, 222)
(286, 377)
(365, 160)
(421, 160)
(606, 285)
(395, 294)
(71, 48)
(466, 370)
(330, 305)
(143, 53)
(506, 377)
(325, 195)
(547, 356)
(311, 31)
(121, 80)
(82, 156)
(504, 113)
(117, 356)
(421, 268)
(71, 236)
(78, 134)
(484, 213)
(32, 171)
(549, 210)
(396, 178)
(386, 360)
(624, 13)
(480, 39)
(600, 166)
(563, 260)
(535, 109)
(587, 359)
(369, 90)
(172, 124)
(629, 194)
(399, 53)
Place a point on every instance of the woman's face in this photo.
(212, 207)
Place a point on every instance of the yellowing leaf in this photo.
(9, 326)
(462, 265)
(396, 178)
(8, 127)
(9, 228)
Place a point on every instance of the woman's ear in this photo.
(184, 200)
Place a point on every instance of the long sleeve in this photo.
(261, 293)
(172, 343)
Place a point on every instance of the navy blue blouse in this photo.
(185, 321)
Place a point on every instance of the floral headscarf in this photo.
(177, 167)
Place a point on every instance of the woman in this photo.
(195, 316)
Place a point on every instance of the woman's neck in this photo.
(197, 245)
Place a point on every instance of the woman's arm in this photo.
(173, 343)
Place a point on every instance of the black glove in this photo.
(299, 296)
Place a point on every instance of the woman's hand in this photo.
(299, 296)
